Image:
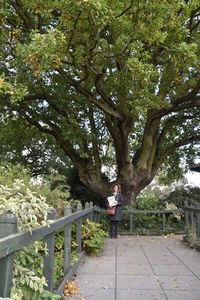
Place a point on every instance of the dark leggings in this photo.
(114, 229)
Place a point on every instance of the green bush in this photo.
(191, 237)
(151, 223)
(93, 238)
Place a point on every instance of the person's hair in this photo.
(115, 184)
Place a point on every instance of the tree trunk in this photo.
(131, 180)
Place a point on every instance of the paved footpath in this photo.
(141, 268)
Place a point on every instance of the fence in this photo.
(192, 217)
(134, 212)
(11, 241)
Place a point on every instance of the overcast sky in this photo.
(193, 178)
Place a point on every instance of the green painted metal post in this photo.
(164, 220)
(198, 221)
(87, 205)
(91, 214)
(192, 218)
(67, 240)
(78, 230)
(8, 225)
(95, 214)
(131, 221)
(186, 217)
(49, 258)
(98, 215)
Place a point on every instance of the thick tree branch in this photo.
(89, 96)
(171, 149)
(148, 145)
(94, 140)
(172, 121)
(188, 100)
(66, 146)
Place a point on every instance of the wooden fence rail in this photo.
(11, 241)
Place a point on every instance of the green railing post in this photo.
(87, 205)
(95, 214)
(78, 230)
(164, 220)
(67, 240)
(8, 226)
(192, 218)
(131, 220)
(98, 215)
(91, 214)
(49, 258)
(186, 217)
(198, 221)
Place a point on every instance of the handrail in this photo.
(132, 211)
(11, 241)
(16, 241)
(138, 211)
(193, 209)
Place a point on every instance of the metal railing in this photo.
(192, 217)
(12, 241)
(133, 212)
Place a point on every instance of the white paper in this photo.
(112, 201)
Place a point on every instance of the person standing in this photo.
(115, 219)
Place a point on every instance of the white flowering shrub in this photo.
(31, 210)
(172, 206)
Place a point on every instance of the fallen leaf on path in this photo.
(70, 288)
(176, 286)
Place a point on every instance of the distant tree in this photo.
(115, 83)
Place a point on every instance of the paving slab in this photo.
(95, 294)
(164, 260)
(183, 295)
(98, 268)
(140, 295)
(171, 270)
(99, 281)
(180, 283)
(194, 267)
(134, 269)
(137, 282)
(132, 259)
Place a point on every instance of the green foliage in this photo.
(28, 201)
(191, 237)
(148, 201)
(59, 254)
(147, 221)
(106, 81)
(93, 238)
(9, 173)
(31, 210)
(180, 194)
(154, 197)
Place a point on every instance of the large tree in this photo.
(114, 82)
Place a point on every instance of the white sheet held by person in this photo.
(112, 201)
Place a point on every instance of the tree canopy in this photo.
(115, 83)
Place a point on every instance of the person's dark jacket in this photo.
(118, 211)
